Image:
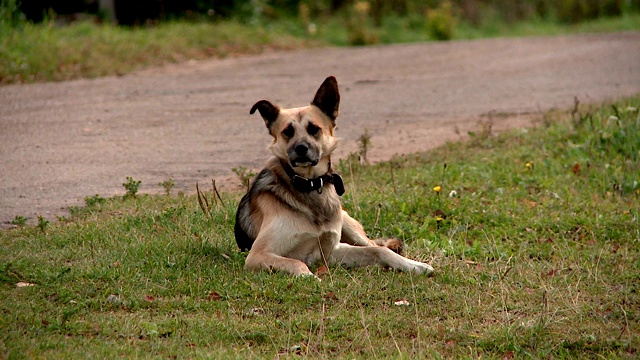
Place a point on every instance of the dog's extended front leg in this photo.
(356, 256)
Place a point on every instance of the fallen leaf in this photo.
(330, 296)
(576, 169)
(450, 343)
(295, 349)
(22, 284)
(614, 248)
(149, 298)
(115, 299)
(439, 214)
(508, 355)
(402, 302)
(322, 270)
(552, 273)
(214, 296)
(254, 311)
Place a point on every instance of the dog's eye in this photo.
(289, 131)
(312, 129)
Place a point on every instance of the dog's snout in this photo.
(301, 149)
(303, 154)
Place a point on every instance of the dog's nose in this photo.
(301, 149)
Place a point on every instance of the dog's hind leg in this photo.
(353, 234)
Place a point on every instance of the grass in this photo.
(534, 235)
(44, 52)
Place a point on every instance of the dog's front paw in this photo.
(420, 268)
(309, 275)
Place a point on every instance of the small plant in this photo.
(131, 186)
(358, 25)
(364, 143)
(94, 200)
(204, 202)
(244, 174)
(19, 220)
(486, 131)
(42, 223)
(168, 185)
(441, 22)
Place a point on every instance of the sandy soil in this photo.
(60, 142)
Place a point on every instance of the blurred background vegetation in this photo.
(474, 12)
(62, 39)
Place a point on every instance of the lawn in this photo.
(534, 235)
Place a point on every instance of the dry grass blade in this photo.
(215, 194)
(202, 200)
(215, 191)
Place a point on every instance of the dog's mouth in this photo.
(303, 161)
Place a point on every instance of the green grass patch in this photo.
(534, 235)
(44, 52)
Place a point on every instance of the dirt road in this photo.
(60, 142)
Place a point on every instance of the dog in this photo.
(291, 217)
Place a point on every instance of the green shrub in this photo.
(441, 21)
(358, 25)
(574, 11)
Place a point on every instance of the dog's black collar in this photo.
(305, 185)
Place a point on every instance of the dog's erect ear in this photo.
(328, 98)
(268, 111)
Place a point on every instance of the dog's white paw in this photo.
(420, 268)
(308, 276)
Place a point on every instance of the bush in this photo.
(358, 25)
(574, 11)
(441, 22)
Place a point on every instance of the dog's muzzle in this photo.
(302, 155)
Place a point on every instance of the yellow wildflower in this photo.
(437, 189)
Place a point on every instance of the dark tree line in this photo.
(136, 12)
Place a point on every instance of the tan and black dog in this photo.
(292, 217)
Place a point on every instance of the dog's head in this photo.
(303, 136)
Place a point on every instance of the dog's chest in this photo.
(323, 210)
(314, 247)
